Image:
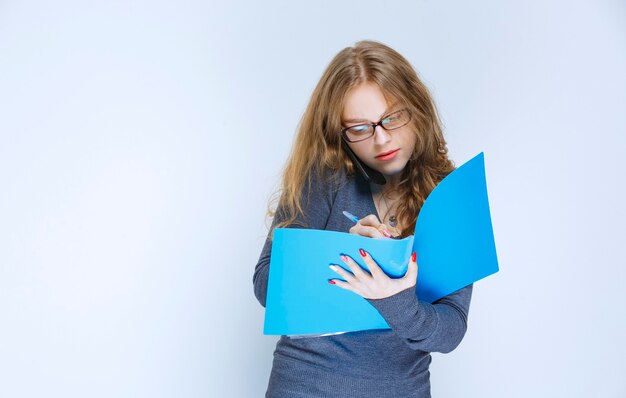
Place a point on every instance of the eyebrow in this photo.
(387, 111)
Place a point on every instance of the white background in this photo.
(140, 142)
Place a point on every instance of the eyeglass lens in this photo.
(392, 121)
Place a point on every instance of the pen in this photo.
(351, 216)
(355, 219)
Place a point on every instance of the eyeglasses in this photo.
(362, 132)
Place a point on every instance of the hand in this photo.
(370, 226)
(374, 285)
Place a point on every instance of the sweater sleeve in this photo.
(436, 327)
(316, 204)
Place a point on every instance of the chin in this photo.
(389, 170)
(392, 171)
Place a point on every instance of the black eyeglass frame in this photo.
(344, 135)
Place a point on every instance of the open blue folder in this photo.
(453, 240)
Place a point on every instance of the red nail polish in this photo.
(362, 252)
(413, 256)
(332, 282)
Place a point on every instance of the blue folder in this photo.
(453, 240)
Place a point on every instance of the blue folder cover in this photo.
(453, 240)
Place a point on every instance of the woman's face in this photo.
(366, 104)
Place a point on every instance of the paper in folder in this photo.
(453, 240)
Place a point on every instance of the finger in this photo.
(411, 273)
(342, 272)
(372, 265)
(370, 220)
(356, 269)
(341, 284)
(383, 230)
(367, 231)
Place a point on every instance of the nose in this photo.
(381, 136)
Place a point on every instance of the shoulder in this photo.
(325, 181)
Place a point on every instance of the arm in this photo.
(316, 204)
(436, 327)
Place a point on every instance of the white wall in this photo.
(139, 143)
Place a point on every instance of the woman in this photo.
(370, 142)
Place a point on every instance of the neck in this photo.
(388, 190)
(393, 182)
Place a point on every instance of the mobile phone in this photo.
(367, 172)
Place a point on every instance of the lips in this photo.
(386, 153)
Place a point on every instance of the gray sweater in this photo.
(373, 363)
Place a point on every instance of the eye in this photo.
(360, 128)
(392, 118)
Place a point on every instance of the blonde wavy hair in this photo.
(317, 146)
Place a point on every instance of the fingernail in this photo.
(332, 282)
(344, 258)
(332, 267)
(362, 252)
(413, 256)
(387, 234)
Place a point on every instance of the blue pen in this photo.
(351, 216)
